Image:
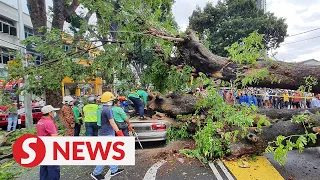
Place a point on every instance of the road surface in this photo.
(161, 162)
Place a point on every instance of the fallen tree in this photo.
(282, 122)
(280, 74)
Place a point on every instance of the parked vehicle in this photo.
(151, 129)
(36, 116)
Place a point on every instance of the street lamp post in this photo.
(27, 95)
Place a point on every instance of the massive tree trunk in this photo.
(38, 14)
(286, 114)
(257, 141)
(193, 53)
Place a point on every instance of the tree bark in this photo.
(172, 104)
(38, 15)
(285, 114)
(290, 75)
(61, 11)
(256, 142)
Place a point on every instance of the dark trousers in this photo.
(77, 128)
(138, 106)
(92, 129)
(49, 172)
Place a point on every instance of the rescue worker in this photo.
(46, 127)
(78, 118)
(121, 118)
(90, 117)
(67, 115)
(139, 100)
(108, 128)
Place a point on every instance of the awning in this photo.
(13, 84)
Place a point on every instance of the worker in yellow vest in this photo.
(90, 117)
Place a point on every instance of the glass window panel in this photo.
(5, 28)
(5, 58)
(13, 31)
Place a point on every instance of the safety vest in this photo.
(90, 112)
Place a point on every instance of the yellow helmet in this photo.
(106, 97)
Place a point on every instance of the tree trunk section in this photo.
(286, 114)
(257, 143)
(38, 15)
(172, 104)
(53, 98)
(290, 75)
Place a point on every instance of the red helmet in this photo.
(121, 98)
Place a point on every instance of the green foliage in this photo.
(19, 132)
(263, 121)
(6, 175)
(125, 21)
(181, 133)
(252, 78)
(165, 78)
(248, 51)
(283, 144)
(208, 146)
(232, 20)
(310, 81)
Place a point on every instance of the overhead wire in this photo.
(304, 32)
(301, 40)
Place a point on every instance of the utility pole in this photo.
(27, 95)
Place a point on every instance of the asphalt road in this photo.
(155, 161)
(299, 166)
(158, 161)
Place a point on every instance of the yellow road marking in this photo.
(261, 169)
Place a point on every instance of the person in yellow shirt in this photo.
(286, 98)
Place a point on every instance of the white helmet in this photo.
(67, 100)
(91, 99)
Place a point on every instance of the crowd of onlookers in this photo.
(271, 98)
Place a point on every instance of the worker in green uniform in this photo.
(120, 118)
(139, 100)
(78, 117)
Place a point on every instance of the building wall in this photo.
(11, 13)
(262, 4)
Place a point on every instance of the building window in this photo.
(13, 31)
(6, 55)
(28, 32)
(7, 26)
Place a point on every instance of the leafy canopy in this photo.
(232, 20)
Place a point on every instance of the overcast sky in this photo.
(301, 15)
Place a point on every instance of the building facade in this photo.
(10, 42)
(9, 33)
(262, 4)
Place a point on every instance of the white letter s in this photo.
(26, 148)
